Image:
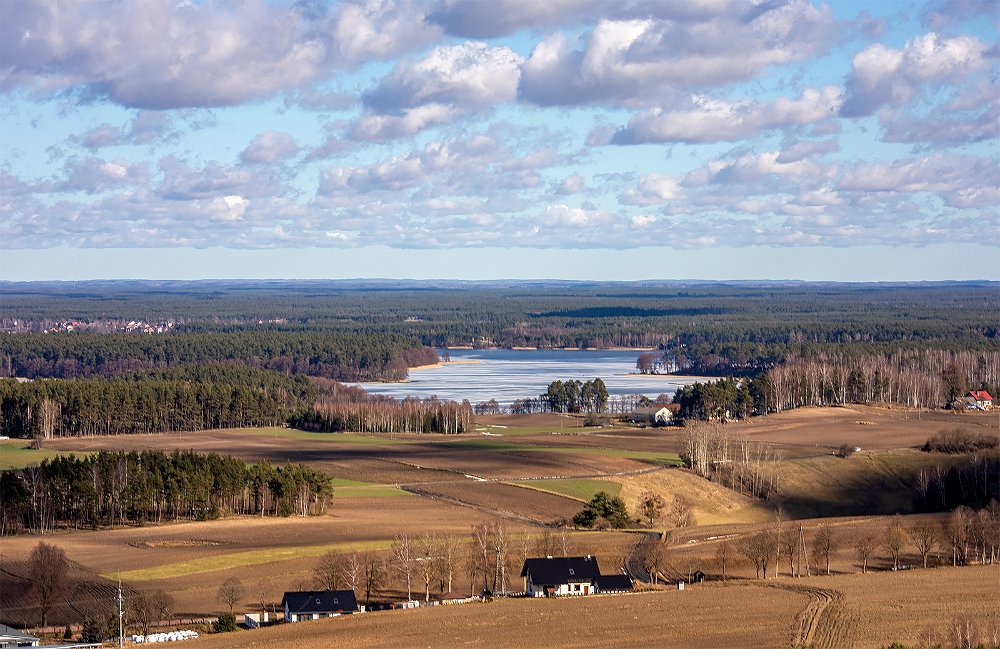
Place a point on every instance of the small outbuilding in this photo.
(614, 584)
(317, 604)
(697, 577)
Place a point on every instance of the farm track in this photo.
(822, 624)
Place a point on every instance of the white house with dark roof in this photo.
(316, 604)
(555, 576)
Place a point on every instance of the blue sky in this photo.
(578, 139)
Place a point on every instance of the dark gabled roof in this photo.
(11, 632)
(561, 570)
(320, 601)
(614, 583)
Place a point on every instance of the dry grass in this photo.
(713, 503)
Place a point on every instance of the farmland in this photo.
(536, 472)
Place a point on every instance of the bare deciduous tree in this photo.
(47, 569)
(403, 559)
(654, 557)
(924, 537)
(428, 550)
(447, 559)
(328, 570)
(231, 592)
(758, 549)
(825, 544)
(141, 611)
(372, 575)
(353, 569)
(956, 533)
(894, 540)
(724, 557)
(864, 547)
(546, 545)
(682, 512)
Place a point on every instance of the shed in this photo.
(614, 584)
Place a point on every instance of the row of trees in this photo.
(965, 536)
(914, 378)
(385, 415)
(615, 404)
(490, 558)
(749, 467)
(929, 378)
(119, 488)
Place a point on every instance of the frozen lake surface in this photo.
(509, 374)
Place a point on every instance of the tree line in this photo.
(917, 379)
(366, 355)
(110, 488)
(205, 397)
(385, 415)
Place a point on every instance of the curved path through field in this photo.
(822, 623)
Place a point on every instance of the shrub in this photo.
(604, 508)
(225, 623)
(956, 441)
(845, 450)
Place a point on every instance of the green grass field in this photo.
(243, 558)
(582, 489)
(15, 454)
(369, 491)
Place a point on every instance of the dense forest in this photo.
(159, 356)
(917, 379)
(207, 397)
(118, 488)
(341, 355)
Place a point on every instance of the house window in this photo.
(576, 587)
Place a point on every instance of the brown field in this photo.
(190, 559)
(694, 618)
(513, 501)
(841, 612)
(812, 431)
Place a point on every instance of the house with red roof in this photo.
(979, 400)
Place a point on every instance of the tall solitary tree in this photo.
(231, 592)
(48, 568)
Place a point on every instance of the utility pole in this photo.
(121, 617)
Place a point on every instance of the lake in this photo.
(509, 374)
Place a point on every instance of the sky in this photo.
(583, 139)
